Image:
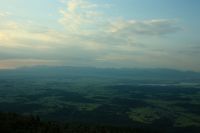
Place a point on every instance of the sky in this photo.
(100, 33)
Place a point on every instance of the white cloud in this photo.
(81, 17)
(146, 27)
(89, 38)
(4, 14)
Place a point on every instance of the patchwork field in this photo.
(104, 101)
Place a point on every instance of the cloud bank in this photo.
(89, 37)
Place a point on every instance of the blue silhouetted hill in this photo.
(67, 71)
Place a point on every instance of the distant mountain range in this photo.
(60, 71)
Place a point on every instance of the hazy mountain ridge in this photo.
(146, 73)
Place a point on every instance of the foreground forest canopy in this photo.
(81, 99)
(13, 123)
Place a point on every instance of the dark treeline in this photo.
(15, 123)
